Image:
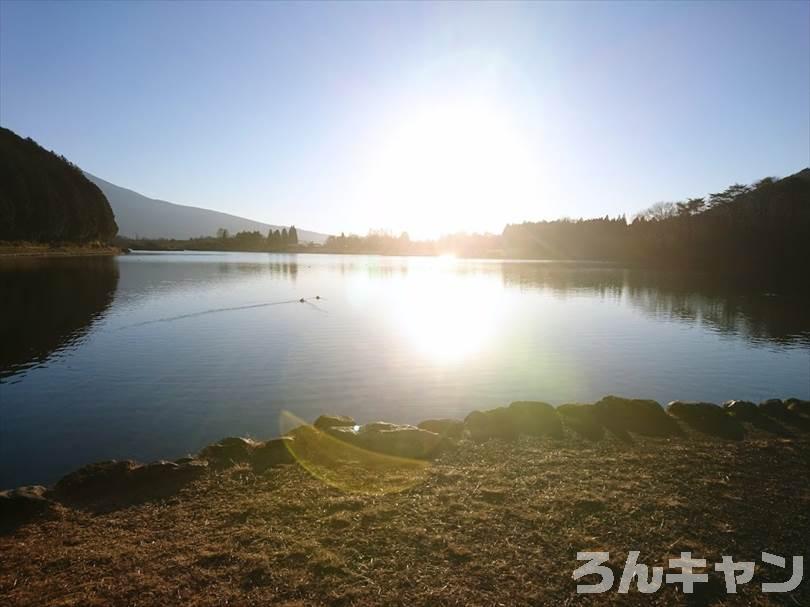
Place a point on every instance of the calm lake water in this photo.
(153, 356)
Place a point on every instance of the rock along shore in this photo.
(612, 418)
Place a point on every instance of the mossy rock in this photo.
(162, 476)
(229, 451)
(707, 418)
(400, 440)
(774, 407)
(271, 453)
(451, 428)
(790, 412)
(118, 482)
(583, 420)
(639, 416)
(20, 505)
(748, 412)
(535, 418)
(743, 410)
(798, 406)
(532, 418)
(324, 422)
(96, 480)
(494, 423)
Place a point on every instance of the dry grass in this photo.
(497, 523)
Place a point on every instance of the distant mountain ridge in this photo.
(143, 217)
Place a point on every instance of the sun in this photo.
(450, 167)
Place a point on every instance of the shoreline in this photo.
(568, 262)
(613, 417)
(493, 512)
(11, 250)
(761, 279)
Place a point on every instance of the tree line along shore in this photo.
(759, 228)
(756, 228)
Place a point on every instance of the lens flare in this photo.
(347, 467)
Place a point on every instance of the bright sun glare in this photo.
(445, 320)
(450, 167)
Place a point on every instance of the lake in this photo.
(154, 355)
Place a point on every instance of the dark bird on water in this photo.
(301, 300)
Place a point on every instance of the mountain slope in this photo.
(45, 198)
(140, 216)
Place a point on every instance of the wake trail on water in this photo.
(229, 309)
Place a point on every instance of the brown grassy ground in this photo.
(491, 524)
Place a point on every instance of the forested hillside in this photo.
(45, 198)
(764, 226)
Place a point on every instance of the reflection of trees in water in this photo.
(283, 270)
(277, 269)
(141, 276)
(727, 308)
(49, 304)
(374, 267)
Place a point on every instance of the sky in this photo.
(422, 117)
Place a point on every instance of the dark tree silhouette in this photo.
(743, 229)
(45, 198)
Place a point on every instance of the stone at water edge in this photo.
(163, 474)
(774, 407)
(494, 423)
(582, 419)
(451, 428)
(742, 409)
(535, 418)
(325, 422)
(640, 416)
(229, 451)
(400, 440)
(748, 412)
(532, 418)
(707, 418)
(23, 503)
(382, 427)
(798, 406)
(271, 453)
(788, 412)
(95, 480)
(126, 480)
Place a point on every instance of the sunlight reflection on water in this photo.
(87, 371)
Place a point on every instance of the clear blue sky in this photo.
(424, 117)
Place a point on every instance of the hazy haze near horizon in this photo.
(424, 117)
